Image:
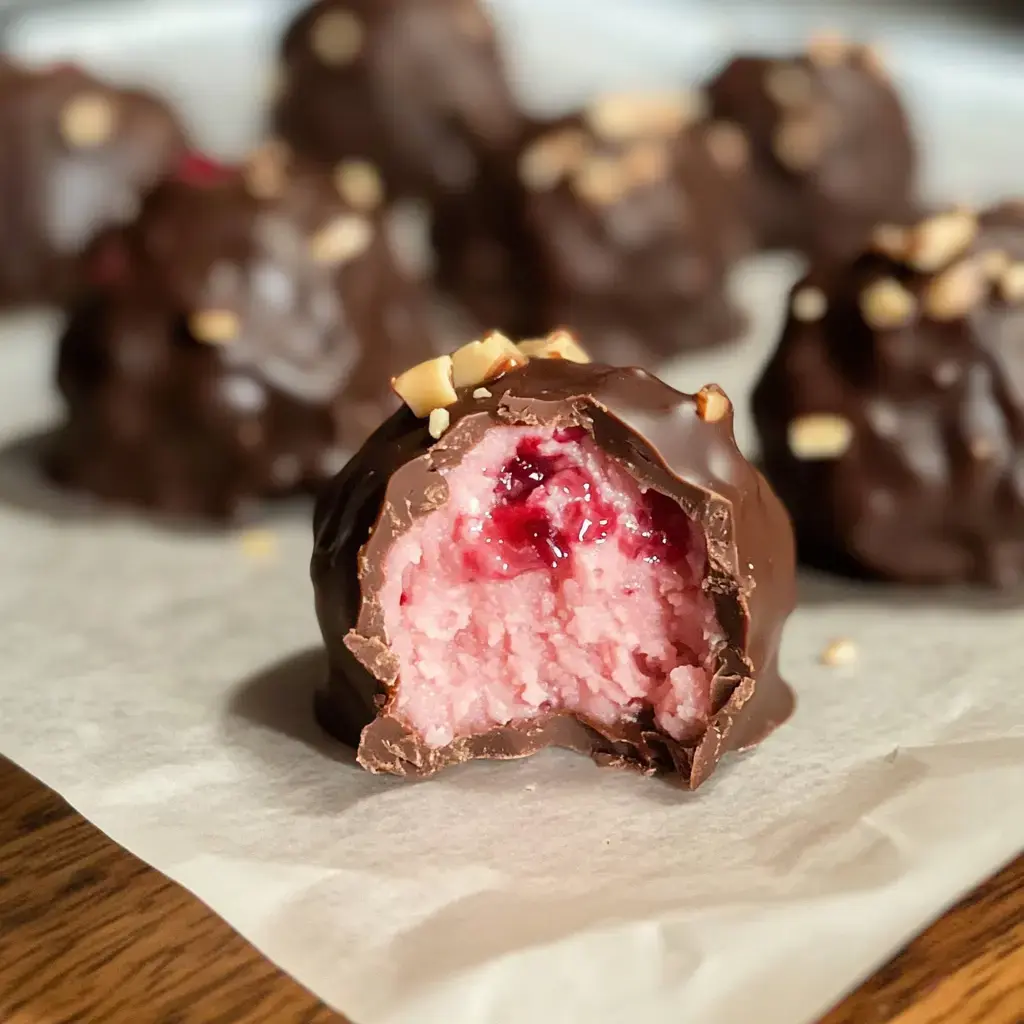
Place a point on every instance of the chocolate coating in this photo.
(659, 436)
(831, 147)
(634, 229)
(912, 466)
(235, 346)
(415, 86)
(77, 157)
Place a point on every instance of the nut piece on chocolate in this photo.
(891, 415)
(559, 554)
(830, 146)
(417, 87)
(78, 155)
(237, 344)
(634, 227)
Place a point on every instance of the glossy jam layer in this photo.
(548, 581)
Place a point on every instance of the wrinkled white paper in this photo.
(161, 681)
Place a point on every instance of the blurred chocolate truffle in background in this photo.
(485, 255)
(78, 155)
(238, 341)
(417, 87)
(892, 414)
(831, 148)
(634, 226)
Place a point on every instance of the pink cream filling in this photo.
(549, 581)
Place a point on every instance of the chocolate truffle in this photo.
(77, 157)
(416, 87)
(237, 343)
(538, 551)
(891, 415)
(831, 149)
(485, 254)
(634, 228)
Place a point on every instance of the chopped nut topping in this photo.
(789, 85)
(601, 180)
(839, 653)
(557, 345)
(427, 386)
(482, 393)
(336, 37)
(359, 184)
(892, 240)
(809, 304)
(265, 171)
(623, 116)
(937, 241)
(88, 120)
(483, 360)
(440, 420)
(214, 326)
(982, 448)
(873, 61)
(946, 373)
(994, 262)
(341, 240)
(829, 49)
(712, 403)
(819, 436)
(886, 304)
(647, 163)
(544, 164)
(259, 545)
(956, 291)
(1011, 283)
(728, 146)
(471, 21)
(798, 143)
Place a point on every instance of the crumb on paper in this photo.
(259, 545)
(839, 652)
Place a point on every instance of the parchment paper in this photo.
(161, 681)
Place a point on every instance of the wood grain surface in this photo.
(90, 935)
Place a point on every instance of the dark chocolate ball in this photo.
(892, 413)
(415, 86)
(238, 341)
(78, 155)
(831, 148)
(634, 226)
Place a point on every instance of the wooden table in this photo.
(90, 935)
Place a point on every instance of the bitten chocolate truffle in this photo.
(538, 551)
(78, 155)
(831, 148)
(237, 344)
(634, 228)
(416, 87)
(891, 415)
